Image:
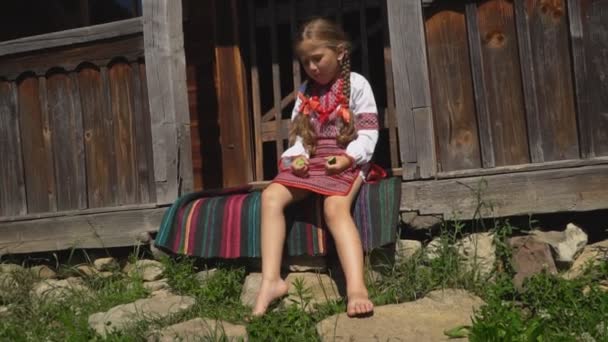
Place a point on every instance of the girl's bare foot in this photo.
(269, 291)
(359, 305)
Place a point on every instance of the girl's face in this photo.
(320, 62)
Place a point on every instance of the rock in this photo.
(203, 276)
(157, 285)
(10, 268)
(405, 249)
(150, 270)
(199, 329)
(566, 245)
(87, 270)
(422, 320)
(591, 254)
(58, 290)
(4, 311)
(157, 253)
(119, 317)
(530, 257)
(432, 249)
(319, 287)
(478, 252)
(43, 272)
(421, 222)
(307, 264)
(106, 264)
(251, 286)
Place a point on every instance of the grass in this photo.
(548, 308)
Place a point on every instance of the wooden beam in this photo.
(571, 189)
(116, 229)
(168, 98)
(412, 88)
(71, 37)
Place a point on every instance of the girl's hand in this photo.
(337, 164)
(299, 166)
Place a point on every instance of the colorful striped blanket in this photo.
(226, 223)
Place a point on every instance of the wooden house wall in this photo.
(517, 82)
(75, 128)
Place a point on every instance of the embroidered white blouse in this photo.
(362, 101)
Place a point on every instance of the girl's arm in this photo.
(365, 113)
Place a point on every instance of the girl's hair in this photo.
(331, 36)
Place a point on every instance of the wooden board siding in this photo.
(452, 89)
(548, 24)
(98, 137)
(589, 29)
(33, 124)
(87, 122)
(12, 186)
(502, 83)
(66, 126)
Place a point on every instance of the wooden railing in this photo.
(74, 122)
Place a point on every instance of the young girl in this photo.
(333, 136)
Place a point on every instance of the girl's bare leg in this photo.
(274, 200)
(350, 250)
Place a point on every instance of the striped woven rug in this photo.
(226, 223)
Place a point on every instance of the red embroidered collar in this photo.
(312, 104)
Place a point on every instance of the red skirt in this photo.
(318, 180)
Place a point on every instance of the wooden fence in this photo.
(74, 122)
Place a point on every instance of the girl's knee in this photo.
(335, 209)
(273, 198)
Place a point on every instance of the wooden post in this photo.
(233, 107)
(168, 98)
(412, 88)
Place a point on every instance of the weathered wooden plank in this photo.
(507, 122)
(557, 164)
(70, 37)
(575, 189)
(12, 186)
(66, 125)
(98, 138)
(70, 57)
(425, 142)
(588, 29)
(526, 61)
(140, 141)
(168, 98)
(390, 92)
(551, 56)
(47, 133)
(452, 88)
(233, 111)
(33, 148)
(121, 90)
(295, 63)
(484, 123)
(397, 17)
(107, 230)
(146, 129)
(255, 94)
(276, 80)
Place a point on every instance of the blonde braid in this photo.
(347, 132)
